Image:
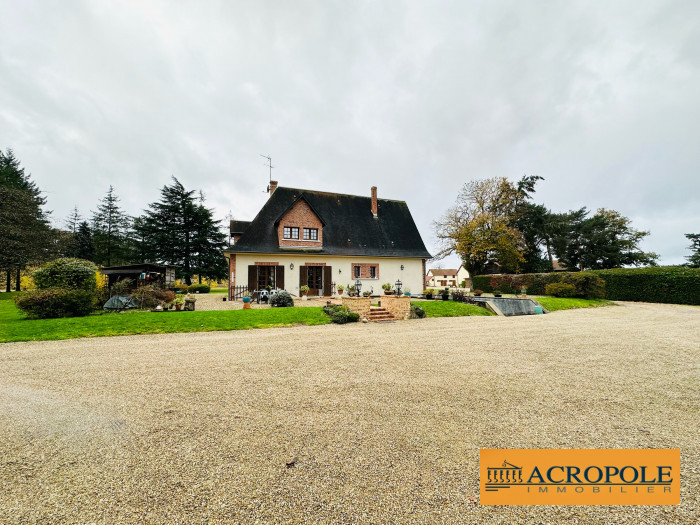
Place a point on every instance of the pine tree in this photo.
(110, 231)
(179, 231)
(694, 257)
(25, 234)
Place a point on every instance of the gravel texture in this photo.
(354, 423)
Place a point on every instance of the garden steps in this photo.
(377, 314)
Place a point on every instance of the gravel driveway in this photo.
(353, 423)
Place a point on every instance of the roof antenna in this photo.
(269, 165)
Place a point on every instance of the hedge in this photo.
(662, 284)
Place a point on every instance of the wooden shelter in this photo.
(142, 274)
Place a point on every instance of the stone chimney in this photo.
(273, 186)
(374, 201)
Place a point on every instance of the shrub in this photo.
(386, 286)
(49, 303)
(478, 292)
(74, 274)
(201, 288)
(587, 285)
(304, 289)
(561, 290)
(340, 314)
(281, 299)
(149, 297)
(417, 312)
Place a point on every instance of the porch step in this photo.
(377, 314)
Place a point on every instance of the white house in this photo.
(322, 240)
(440, 278)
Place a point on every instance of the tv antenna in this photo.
(269, 165)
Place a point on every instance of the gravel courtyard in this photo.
(378, 423)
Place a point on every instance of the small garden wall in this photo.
(358, 305)
(398, 306)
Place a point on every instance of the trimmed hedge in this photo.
(201, 288)
(50, 303)
(662, 284)
(561, 289)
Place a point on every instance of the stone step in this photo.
(377, 314)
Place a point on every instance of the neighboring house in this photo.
(440, 277)
(321, 240)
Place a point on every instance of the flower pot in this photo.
(445, 297)
(178, 307)
(388, 292)
(246, 306)
(246, 300)
(340, 292)
(428, 296)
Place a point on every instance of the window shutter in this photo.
(327, 278)
(303, 277)
(252, 278)
(279, 277)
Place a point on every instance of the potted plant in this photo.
(340, 289)
(387, 289)
(407, 291)
(428, 293)
(445, 294)
(246, 300)
(179, 302)
(304, 290)
(351, 291)
(366, 293)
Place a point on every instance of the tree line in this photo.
(497, 221)
(178, 229)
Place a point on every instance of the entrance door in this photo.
(314, 279)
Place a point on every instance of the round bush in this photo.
(49, 303)
(560, 290)
(417, 312)
(201, 288)
(74, 274)
(281, 299)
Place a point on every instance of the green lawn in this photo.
(559, 303)
(13, 326)
(450, 309)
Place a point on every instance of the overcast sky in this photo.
(602, 99)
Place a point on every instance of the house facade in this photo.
(440, 278)
(322, 240)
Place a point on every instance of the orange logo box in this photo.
(580, 477)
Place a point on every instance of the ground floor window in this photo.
(266, 277)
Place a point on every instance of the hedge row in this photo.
(663, 284)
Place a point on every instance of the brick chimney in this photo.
(374, 201)
(273, 186)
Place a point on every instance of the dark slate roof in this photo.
(238, 226)
(349, 227)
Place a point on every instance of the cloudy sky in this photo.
(602, 99)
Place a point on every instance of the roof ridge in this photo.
(335, 193)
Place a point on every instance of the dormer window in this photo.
(291, 232)
(310, 234)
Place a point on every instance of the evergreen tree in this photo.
(179, 231)
(110, 231)
(84, 248)
(694, 258)
(25, 234)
